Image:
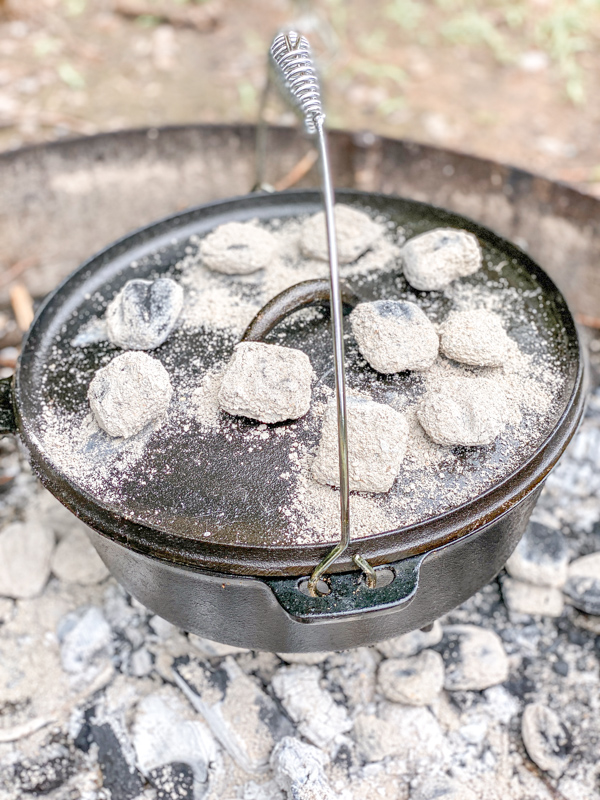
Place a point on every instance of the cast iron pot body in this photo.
(249, 595)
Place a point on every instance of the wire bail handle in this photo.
(296, 75)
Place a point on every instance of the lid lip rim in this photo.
(81, 503)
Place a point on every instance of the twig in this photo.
(298, 171)
(589, 322)
(17, 269)
(203, 18)
(22, 305)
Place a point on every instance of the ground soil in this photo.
(397, 67)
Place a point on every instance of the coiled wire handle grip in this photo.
(297, 77)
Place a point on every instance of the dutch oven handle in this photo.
(8, 422)
(307, 293)
(349, 593)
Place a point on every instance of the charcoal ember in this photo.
(309, 659)
(541, 557)
(317, 716)
(171, 748)
(211, 649)
(242, 717)
(143, 313)
(267, 382)
(468, 411)
(52, 767)
(394, 336)
(76, 561)
(356, 233)
(119, 778)
(25, 556)
(434, 259)
(353, 673)
(399, 731)
(583, 584)
(440, 787)
(377, 439)
(238, 248)
(409, 644)
(173, 781)
(474, 658)
(546, 739)
(415, 681)
(85, 639)
(525, 598)
(132, 391)
(475, 337)
(299, 770)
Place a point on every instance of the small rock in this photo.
(409, 644)
(541, 557)
(475, 337)
(415, 681)
(583, 584)
(314, 711)
(394, 336)
(299, 772)
(267, 382)
(212, 649)
(130, 392)
(144, 313)
(474, 658)
(546, 739)
(242, 717)
(399, 731)
(161, 627)
(76, 561)
(356, 232)
(308, 659)
(377, 438)
(434, 259)
(440, 787)
(523, 598)
(25, 554)
(468, 411)
(85, 638)
(238, 248)
(163, 735)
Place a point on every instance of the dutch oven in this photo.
(242, 585)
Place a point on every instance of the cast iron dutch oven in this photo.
(237, 586)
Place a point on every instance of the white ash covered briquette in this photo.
(469, 411)
(144, 313)
(434, 259)
(377, 437)
(355, 230)
(130, 392)
(475, 337)
(394, 335)
(266, 382)
(238, 248)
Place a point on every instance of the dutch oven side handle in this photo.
(348, 592)
(8, 422)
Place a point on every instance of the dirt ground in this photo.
(512, 80)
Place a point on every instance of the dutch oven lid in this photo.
(224, 497)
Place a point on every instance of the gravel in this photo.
(25, 554)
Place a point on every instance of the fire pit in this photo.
(112, 655)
